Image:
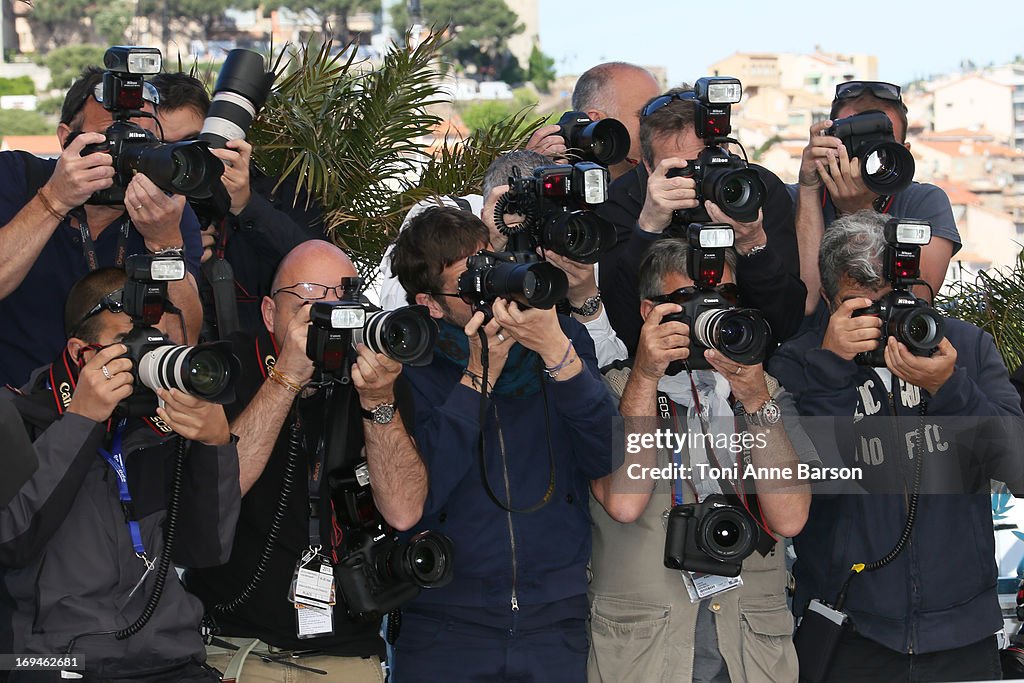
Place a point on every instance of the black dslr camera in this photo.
(206, 371)
(555, 205)
(604, 142)
(187, 168)
(712, 537)
(711, 309)
(518, 276)
(904, 316)
(406, 334)
(721, 176)
(887, 167)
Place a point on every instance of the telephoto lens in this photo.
(604, 142)
(741, 334)
(581, 236)
(424, 560)
(206, 371)
(242, 87)
(187, 168)
(534, 285)
(407, 334)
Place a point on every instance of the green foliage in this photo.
(353, 137)
(66, 63)
(482, 115)
(22, 85)
(540, 70)
(994, 301)
(111, 20)
(54, 12)
(18, 122)
(50, 106)
(182, 12)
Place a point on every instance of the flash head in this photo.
(337, 315)
(908, 231)
(711, 235)
(155, 267)
(131, 59)
(718, 90)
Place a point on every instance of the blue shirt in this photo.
(32, 316)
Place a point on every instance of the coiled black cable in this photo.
(287, 484)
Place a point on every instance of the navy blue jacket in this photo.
(940, 592)
(551, 545)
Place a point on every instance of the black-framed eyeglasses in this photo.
(113, 302)
(880, 89)
(452, 294)
(312, 291)
(659, 102)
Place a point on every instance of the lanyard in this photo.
(89, 246)
(116, 461)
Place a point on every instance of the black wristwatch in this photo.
(381, 414)
(589, 307)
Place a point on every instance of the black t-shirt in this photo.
(267, 614)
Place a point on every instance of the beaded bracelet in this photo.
(475, 379)
(564, 363)
(279, 377)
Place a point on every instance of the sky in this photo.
(910, 39)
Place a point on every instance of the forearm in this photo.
(398, 476)
(258, 428)
(810, 226)
(21, 242)
(784, 499)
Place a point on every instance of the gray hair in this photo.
(852, 246)
(593, 90)
(501, 168)
(665, 257)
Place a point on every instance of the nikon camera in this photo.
(911, 320)
(712, 537)
(887, 167)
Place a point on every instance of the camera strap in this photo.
(115, 459)
(123, 225)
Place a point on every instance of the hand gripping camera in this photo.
(721, 176)
(887, 167)
(407, 334)
(518, 276)
(604, 142)
(712, 537)
(555, 203)
(711, 309)
(187, 168)
(206, 371)
(911, 320)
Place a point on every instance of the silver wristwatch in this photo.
(765, 416)
(381, 414)
(589, 307)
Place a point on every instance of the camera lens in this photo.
(581, 236)
(605, 141)
(242, 87)
(206, 371)
(425, 560)
(406, 334)
(187, 168)
(920, 328)
(537, 285)
(735, 191)
(727, 534)
(738, 191)
(740, 333)
(888, 167)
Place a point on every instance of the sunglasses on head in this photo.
(854, 89)
(113, 302)
(149, 94)
(728, 291)
(663, 101)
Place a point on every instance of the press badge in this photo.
(313, 621)
(313, 592)
(700, 586)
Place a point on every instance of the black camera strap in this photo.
(123, 226)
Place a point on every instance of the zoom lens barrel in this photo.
(406, 334)
(740, 333)
(740, 193)
(920, 328)
(242, 87)
(581, 236)
(424, 560)
(207, 371)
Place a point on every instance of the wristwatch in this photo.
(589, 307)
(754, 251)
(765, 416)
(381, 414)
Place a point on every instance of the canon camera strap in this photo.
(122, 225)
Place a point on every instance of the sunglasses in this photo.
(854, 89)
(149, 94)
(729, 291)
(663, 101)
(113, 302)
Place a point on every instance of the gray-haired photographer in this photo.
(87, 544)
(114, 191)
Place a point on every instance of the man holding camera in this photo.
(832, 184)
(723, 631)
(87, 543)
(919, 604)
(512, 421)
(263, 222)
(52, 235)
(289, 515)
(646, 203)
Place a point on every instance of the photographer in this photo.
(831, 184)
(928, 606)
(81, 548)
(264, 221)
(273, 405)
(509, 489)
(739, 634)
(642, 204)
(49, 239)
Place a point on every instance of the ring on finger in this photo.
(106, 373)
(501, 337)
(139, 207)
(738, 371)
